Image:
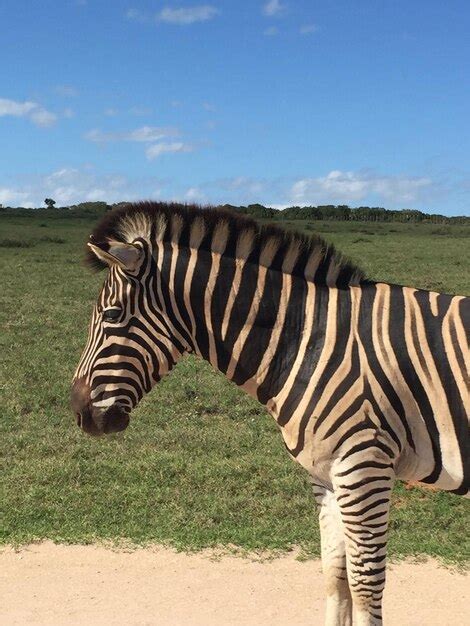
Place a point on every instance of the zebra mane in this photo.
(217, 229)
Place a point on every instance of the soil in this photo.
(69, 584)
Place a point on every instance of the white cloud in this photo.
(136, 15)
(31, 110)
(308, 29)
(14, 197)
(68, 113)
(338, 186)
(140, 111)
(194, 194)
(143, 134)
(42, 117)
(98, 136)
(181, 16)
(71, 185)
(243, 183)
(65, 173)
(274, 8)
(111, 112)
(96, 195)
(151, 133)
(208, 106)
(271, 31)
(241, 190)
(66, 91)
(187, 15)
(158, 149)
(18, 109)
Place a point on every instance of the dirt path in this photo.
(57, 585)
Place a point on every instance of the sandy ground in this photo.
(55, 584)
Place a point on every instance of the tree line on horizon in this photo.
(328, 212)
(345, 213)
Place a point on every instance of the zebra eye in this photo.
(111, 315)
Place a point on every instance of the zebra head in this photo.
(130, 345)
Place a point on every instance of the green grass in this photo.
(201, 464)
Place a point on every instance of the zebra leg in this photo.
(363, 491)
(333, 555)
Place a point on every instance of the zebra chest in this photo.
(317, 439)
(311, 452)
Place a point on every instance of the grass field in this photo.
(201, 464)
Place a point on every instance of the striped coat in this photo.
(368, 382)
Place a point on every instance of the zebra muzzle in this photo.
(115, 419)
(94, 421)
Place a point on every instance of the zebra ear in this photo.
(126, 255)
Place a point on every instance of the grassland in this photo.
(201, 464)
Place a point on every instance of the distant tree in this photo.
(85, 209)
(49, 202)
(232, 207)
(259, 210)
(343, 212)
(328, 212)
(300, 213)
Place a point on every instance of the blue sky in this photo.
(273, 101)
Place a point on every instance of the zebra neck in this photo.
(263, 328)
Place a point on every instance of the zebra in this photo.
(368, 381)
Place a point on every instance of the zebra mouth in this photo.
(86, 422)
(93, 420)
(115, 419)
